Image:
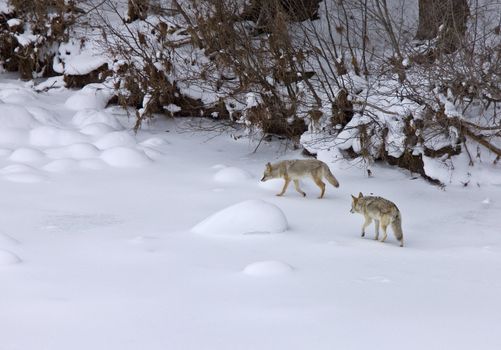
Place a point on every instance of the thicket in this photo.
(368, 77)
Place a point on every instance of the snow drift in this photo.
(249, 217)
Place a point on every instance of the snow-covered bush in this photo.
(30, 32)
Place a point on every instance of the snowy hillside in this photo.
(167, 240)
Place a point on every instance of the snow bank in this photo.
(267, 268)
(232, 175)
(124, 157)
(8, 258)
(252, 216)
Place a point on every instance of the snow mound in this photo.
(5, 240)
(48, 136)
(27, 178)
(21, 173)
(124, 157)
(28, 156)
(17, 96)
(115, 139)
(75, 151)
(83, 64)
(218, 166)
(97, 129)
(61, 165)
(16, 168)
(92, 164)
(8, 258)
(267, 268)
(4, 152)
(154, 142)
(151, 153)
(13, 116)
(13, 136)
(88, 98)
(86, 118)
(248, 217)
(43, 116)
(232, 175)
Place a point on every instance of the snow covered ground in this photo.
(167, 240)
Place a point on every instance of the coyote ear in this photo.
(268, 165)
(354, 198)
(360, 195)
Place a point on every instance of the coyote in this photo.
(297, 169)
(383, 212)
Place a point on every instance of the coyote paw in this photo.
(304, 194)
(363, 234)
(279, 194)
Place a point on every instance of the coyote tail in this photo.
(396, 226)
(328, 175)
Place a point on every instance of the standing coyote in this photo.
(383, 212)
(297, 169)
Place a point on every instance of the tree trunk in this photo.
(445, 19)
(262, 11)
(137, 9)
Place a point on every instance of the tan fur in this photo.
(382, 211)
(294, 170)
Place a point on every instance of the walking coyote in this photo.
(297, 169)
(382, 211)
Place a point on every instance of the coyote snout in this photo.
(382, 211)
(296, 169)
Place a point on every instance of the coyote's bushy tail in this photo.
(328, 175)
(396, 226)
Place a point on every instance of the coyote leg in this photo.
(321, 185)
(385, 235)
(296, 185)
(366, 223)
(285, 187)
(376, 227)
